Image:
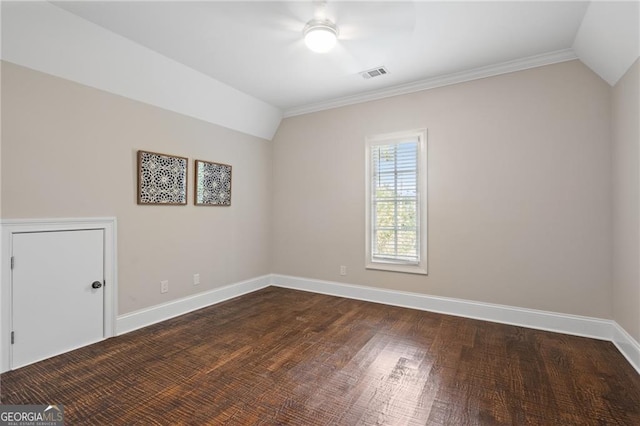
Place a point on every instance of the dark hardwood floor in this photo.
(279, 356)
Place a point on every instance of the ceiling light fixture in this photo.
(320, 35)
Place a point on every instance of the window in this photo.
(396, 217)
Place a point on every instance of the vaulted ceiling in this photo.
(257, 47)
(254, 50)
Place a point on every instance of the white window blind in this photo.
(396, 188)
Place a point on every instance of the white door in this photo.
(57, 293)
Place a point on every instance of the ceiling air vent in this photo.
(376, 72)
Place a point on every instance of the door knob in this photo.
(96, 284)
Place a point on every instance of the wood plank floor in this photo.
(278, 357)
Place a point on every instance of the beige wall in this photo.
(519, 190)
(70, 151)
(626, 201)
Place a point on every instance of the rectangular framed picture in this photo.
(213, 184)
(162, 179)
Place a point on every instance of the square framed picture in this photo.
(162, 179)
(213, 184)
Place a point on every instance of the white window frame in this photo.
(398, 266)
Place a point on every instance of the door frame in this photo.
(16, 226)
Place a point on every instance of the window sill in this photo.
(393, 267)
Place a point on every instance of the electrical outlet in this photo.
(164, 286)
(196, 279)
(343, 270)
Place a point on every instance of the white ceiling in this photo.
(257, 47)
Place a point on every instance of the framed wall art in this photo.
(162, 179)
(213, 184)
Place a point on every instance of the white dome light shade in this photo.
(320, 36)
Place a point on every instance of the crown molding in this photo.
(439, 81)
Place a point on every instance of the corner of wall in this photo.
(625, 135)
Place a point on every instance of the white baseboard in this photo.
(148, 316)
(576, 325)
(542, 320)
(627, 345)
(531, 318)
